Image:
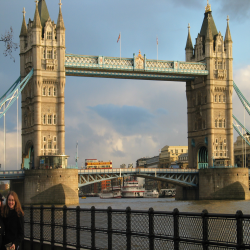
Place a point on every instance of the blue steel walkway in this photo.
(12, 174)
(181, 177)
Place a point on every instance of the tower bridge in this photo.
(207, 72)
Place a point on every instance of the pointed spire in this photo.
(228, 33)
(24, 26)
(189, 44)
(60, 22)
(209, 35)
(37, 21)
(43, 12)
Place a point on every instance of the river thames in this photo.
(168, 204)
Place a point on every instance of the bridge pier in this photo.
(51, 186)
(218, 184)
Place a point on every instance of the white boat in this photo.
(131, 189)
(110, 194)
(151, 194)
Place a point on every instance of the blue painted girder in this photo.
(181, 177)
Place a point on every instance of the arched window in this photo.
(224, 98)
(54, 119)
(54, 91)
(219, 98)
(215, 98)
(44, 119)
(220, 123)
(204, 124)
(49, 92)
(44, 90)
(215, 124)
(224, 123)
(49, 119)
(199, 98)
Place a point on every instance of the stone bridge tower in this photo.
(209, 99)
(42, 47)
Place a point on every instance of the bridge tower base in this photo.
(218, 184)
(52, 186)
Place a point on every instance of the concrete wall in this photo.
(53, 186)
(224, 183)
(185, 193)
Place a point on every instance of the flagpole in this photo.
(157, 47)
(120, 46)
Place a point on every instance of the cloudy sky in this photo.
(123, 120)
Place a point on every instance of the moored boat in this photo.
(132, 189)
(110, 194)
(151, 194)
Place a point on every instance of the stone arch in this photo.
(202, 156)
(28, 157)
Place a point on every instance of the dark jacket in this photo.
(1, 233)
(14, 229)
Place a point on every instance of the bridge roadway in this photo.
(181, 177)
(12, 174)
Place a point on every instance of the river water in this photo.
(168, 204)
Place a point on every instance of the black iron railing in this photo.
(119, 229)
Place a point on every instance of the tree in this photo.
(8, 43)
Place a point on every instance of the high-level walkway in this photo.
(181, 177)
(138, 67)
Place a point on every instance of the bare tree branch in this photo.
(8, 43)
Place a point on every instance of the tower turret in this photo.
(23, 41)
(189, 46)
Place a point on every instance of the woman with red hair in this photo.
(13, 221)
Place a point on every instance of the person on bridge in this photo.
(13, 221)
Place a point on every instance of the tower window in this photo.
(49, 54)
(44, 119)
(220, 123)
(44, 147)
(44, 54)
(49, 35)
(224, 123)
(219, 98)
(216, 140)
(44, 138)
(49, 119)
(55, 120)
(215, 124)
(225, 140)
(224, 98)
(215, 98)
(54, 138)
(54, 54)
(49, 144)
(49, 93)
(44, 91)
(220, 65)
(54, 91)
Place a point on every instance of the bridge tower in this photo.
(209, 99)
(42, 47)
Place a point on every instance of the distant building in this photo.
(183, 161)
(241, 153)
(170, 154)
(140, 163)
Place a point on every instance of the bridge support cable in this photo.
(13, 92)
(236, 122)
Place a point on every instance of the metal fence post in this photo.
(239, 218)
(41, 227)
(109, 211)
(204, 216)
(92, 227)
(31, 227)
(64, 227)
(151, 228)
(128, 230)
(78, 245)
(176, 229)
(52, 227)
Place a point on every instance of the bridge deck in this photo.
(138, 67)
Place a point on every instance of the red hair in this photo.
(18, 207)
